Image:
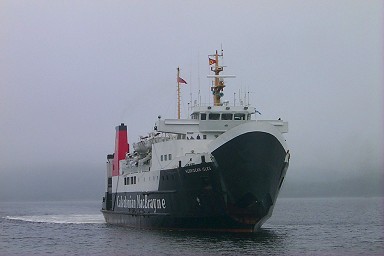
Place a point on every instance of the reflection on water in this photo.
(187, 243)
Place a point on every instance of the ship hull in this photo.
(236, 192)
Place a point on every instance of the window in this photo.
(170, 156)
(204, 136)
(130, 180)
(161, 157)
(239, 116)
(226, 116)
(165, 157)
(213, 116)
(203, 116)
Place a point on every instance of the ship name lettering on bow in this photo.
(198, 169)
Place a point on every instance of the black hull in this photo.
(253, 175)
(235, 193)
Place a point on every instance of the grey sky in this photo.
(72, 70)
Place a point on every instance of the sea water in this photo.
(298, 226)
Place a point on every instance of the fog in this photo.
(70, 71)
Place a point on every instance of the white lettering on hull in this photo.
(141, 202)
(198, 169)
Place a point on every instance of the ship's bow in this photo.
(252, 159)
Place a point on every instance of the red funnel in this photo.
(121, 147)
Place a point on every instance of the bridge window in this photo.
(203, 116)
(226, 116)
(239, 116)
(195, 116)
(213, 116)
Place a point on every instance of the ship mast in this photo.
(218, 85)
(218, 81)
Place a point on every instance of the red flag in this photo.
(181, 80)
(211, 61)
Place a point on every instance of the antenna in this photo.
(245, 97)
(191, 104)
(190, 89)
(198, 78)
(234, 99)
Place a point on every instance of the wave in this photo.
(61, 219)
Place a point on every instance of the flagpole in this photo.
(178, 93)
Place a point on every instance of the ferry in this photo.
(219, 170)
